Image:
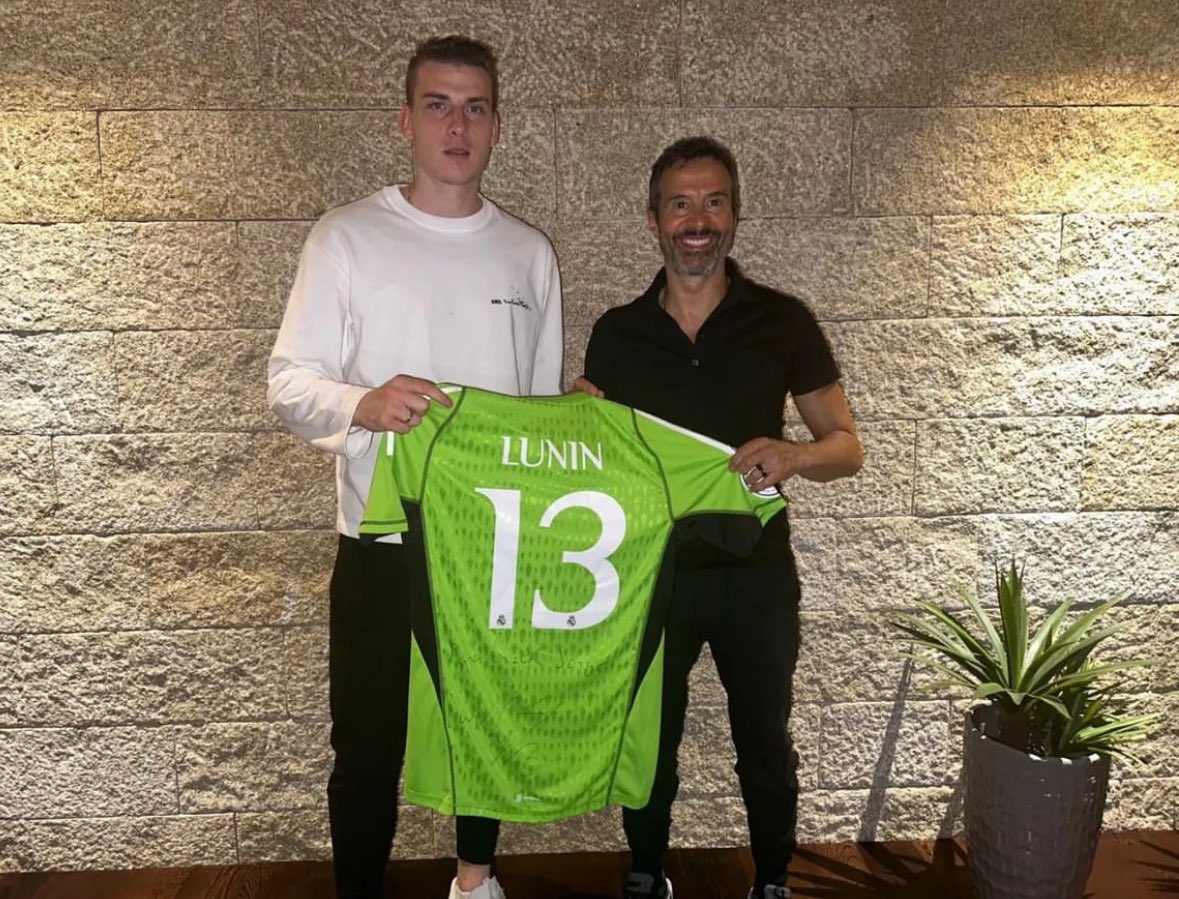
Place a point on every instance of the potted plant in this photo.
(1038, 745)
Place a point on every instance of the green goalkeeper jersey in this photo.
(537, 530)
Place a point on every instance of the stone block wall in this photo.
(979, 200)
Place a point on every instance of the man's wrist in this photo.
(359, 417)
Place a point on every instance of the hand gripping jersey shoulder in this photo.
(537, 530)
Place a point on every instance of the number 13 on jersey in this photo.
(595, 560)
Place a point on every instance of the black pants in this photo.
(749, 618)
(369, 671)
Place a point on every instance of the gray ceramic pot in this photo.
(1031, 823)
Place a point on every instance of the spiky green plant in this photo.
(1050, 693)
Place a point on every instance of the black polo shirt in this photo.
(756, 347)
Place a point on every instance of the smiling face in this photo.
(695, 220)
(451, 124)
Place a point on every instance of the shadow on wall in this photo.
(882, 773)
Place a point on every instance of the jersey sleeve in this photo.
(696, 469)
(400, 471)
(383, 512)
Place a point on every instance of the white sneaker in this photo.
(643, 886)
(489, 889)
(771, 892)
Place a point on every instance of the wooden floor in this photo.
(1129, 866)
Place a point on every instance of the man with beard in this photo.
(707, 349)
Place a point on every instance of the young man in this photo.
(393, 293)
(709, 350)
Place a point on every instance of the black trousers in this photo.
(749, 618)
(369, 636)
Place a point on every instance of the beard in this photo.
(698, 263)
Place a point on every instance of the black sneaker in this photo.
(644, 886)
(770, 891)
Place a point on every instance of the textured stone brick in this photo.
(706, 754)
(1144, 634)
(1061, 51)
(85, 583)
(55, 383)
(1088, 557)
(269, 258)
(298, 164)
(806, 731)
(46, 772)
(995, 265)
(26, 484)
(1160, 751)
(284, 836)
(704, 687)
(10, 833)
(1150, 803)
(1164, 679)
(1118, 474)
(850, 657)
(191, 481)
(876, 744)
(990, 160)
(298, 483)
(883, 563)
(193, 381)
(51, 170)
(117, 275)
(843, 268)
(522, 174)
(305, 672)
(583, 54)
(966, 368)
(815, 543)
(1120, 264)
(238, 164)
(126, 843)
(151, 677)
(445, 841)
(1147, 632)
(113, 53)
(595, 832)
(9, 686)
(252, 767)
(713, 823)
(814, 53)
(812, 816)
(792, 161)
(883, 487)
(999, 465)
(415, 837)
(347, 53)
(605, 265)
(892, 813)
(303, 834)
(1119, 159)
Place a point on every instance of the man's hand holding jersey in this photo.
(398, 405)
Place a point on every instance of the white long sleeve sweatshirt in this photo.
(383, 288)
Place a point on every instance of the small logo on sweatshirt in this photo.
(514, 300)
